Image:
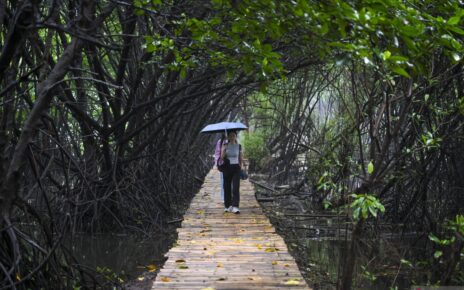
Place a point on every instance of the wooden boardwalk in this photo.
(217, 250)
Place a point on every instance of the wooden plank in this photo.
(217, 250)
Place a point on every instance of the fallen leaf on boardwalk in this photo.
(259, 246)
(208, 288)
(205, 231)
(151, 268)
(182, 267)
(292, 282)
(165, 279)
(140, 278)
(270, 250)
(274, 262)
(222, 279)
(220, 265)
(200, 211)
(286, 265)
(180, 261)
(237, 240)
(211, 252)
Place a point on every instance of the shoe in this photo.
(235, 210)
(228, 209)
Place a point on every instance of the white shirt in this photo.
(233, 152)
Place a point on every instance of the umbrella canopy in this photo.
(223, 126)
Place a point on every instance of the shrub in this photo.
(255, 149)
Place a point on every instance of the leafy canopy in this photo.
(260, 36)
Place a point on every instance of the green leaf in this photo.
(356, 213)
(370, 168)
(399, 59)
(324, 29)
(437, 254)
(386, 55)
(326, 204)
(139, 12)
(457, 30)
(406, 262)
(411, 30)
(183, 73)
(400, 71)
(410, 44)
(456, 57)
(381, 208)
(365, 212)
(434, 239)
(150, 47)
(454, 20)
(449, 41)
(373, 211)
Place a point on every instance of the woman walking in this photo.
(232, 151)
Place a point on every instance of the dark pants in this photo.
(232, 186)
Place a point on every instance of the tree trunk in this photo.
(350, 260)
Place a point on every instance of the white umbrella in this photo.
(223, 126)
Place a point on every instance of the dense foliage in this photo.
(381, 130)
(102, 104)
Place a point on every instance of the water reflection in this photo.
(328, 254)
(123, 254)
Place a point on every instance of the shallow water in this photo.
(319, 244)
(326, 255)
(123, 254)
